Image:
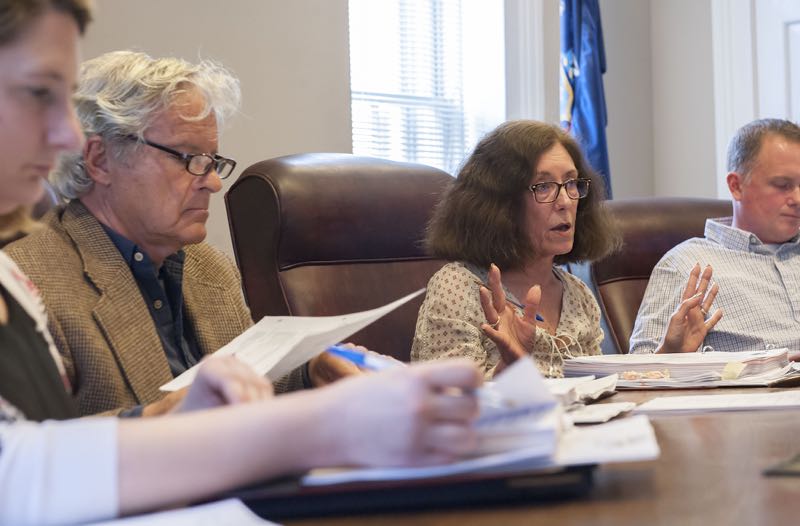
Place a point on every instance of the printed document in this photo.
(724, 402)
(278, 344)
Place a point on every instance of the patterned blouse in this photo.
(449, 322)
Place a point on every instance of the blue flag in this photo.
(583, 62)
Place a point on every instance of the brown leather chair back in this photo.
(650, 228)
(327, 234)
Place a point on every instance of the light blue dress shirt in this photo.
(759, 290)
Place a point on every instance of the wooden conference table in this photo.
(709, 473)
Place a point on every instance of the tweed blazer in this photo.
(99, 320)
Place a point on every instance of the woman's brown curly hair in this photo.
(481, 218)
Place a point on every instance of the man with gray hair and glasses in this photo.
(134, 296)
(755, 254)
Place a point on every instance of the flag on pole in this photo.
(583, 62)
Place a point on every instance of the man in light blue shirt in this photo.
(755, 255)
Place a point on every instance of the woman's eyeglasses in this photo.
(549, 191)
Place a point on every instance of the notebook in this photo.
(290, 499)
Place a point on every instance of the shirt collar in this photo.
(128, 249)
(721, 231)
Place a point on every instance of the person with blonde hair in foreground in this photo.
(414, 415)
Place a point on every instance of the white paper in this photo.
(598, 413)
(277, 344)
(519, 459)
(685, 370)
(582, 389)
(721, 402)
(625, 440)
(231, 512)
(712, 379)
(517, 410)
(564, 388)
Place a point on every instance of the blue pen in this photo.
(515, 303)
(364, 360)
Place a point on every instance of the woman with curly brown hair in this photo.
(525, 201)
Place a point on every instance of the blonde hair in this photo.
(15, 223)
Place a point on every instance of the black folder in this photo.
(290, 499)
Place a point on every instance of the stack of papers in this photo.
(522, 427)
(687, 370)
(517, 411)
(626, 440)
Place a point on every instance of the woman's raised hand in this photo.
(513, 334)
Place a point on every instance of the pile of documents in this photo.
(518, 411)
(522, 427)
(688, 370)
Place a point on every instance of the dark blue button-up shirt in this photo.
(163, 294)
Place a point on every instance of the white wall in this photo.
(683, 98)
(629, 96)
(292, 58)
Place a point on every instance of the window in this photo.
(427, 77)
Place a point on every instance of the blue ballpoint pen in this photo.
(364, 360)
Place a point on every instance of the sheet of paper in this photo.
(277, 344)
(597, 389)
(625, 440)
(516, 410)
(520, 459)
(721, 402)
(231, 512)
(582, 389)
(598, 413)
(564, 389)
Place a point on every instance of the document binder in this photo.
(288, 499)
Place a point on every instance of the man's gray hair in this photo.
(120, 94)
(745, 145)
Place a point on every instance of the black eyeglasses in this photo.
(198, 164)
(548, 192)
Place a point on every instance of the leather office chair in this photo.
(650, 228)
(327, 234)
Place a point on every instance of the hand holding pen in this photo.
(512, 334)
(363, 358)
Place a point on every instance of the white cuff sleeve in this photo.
(58, 472)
